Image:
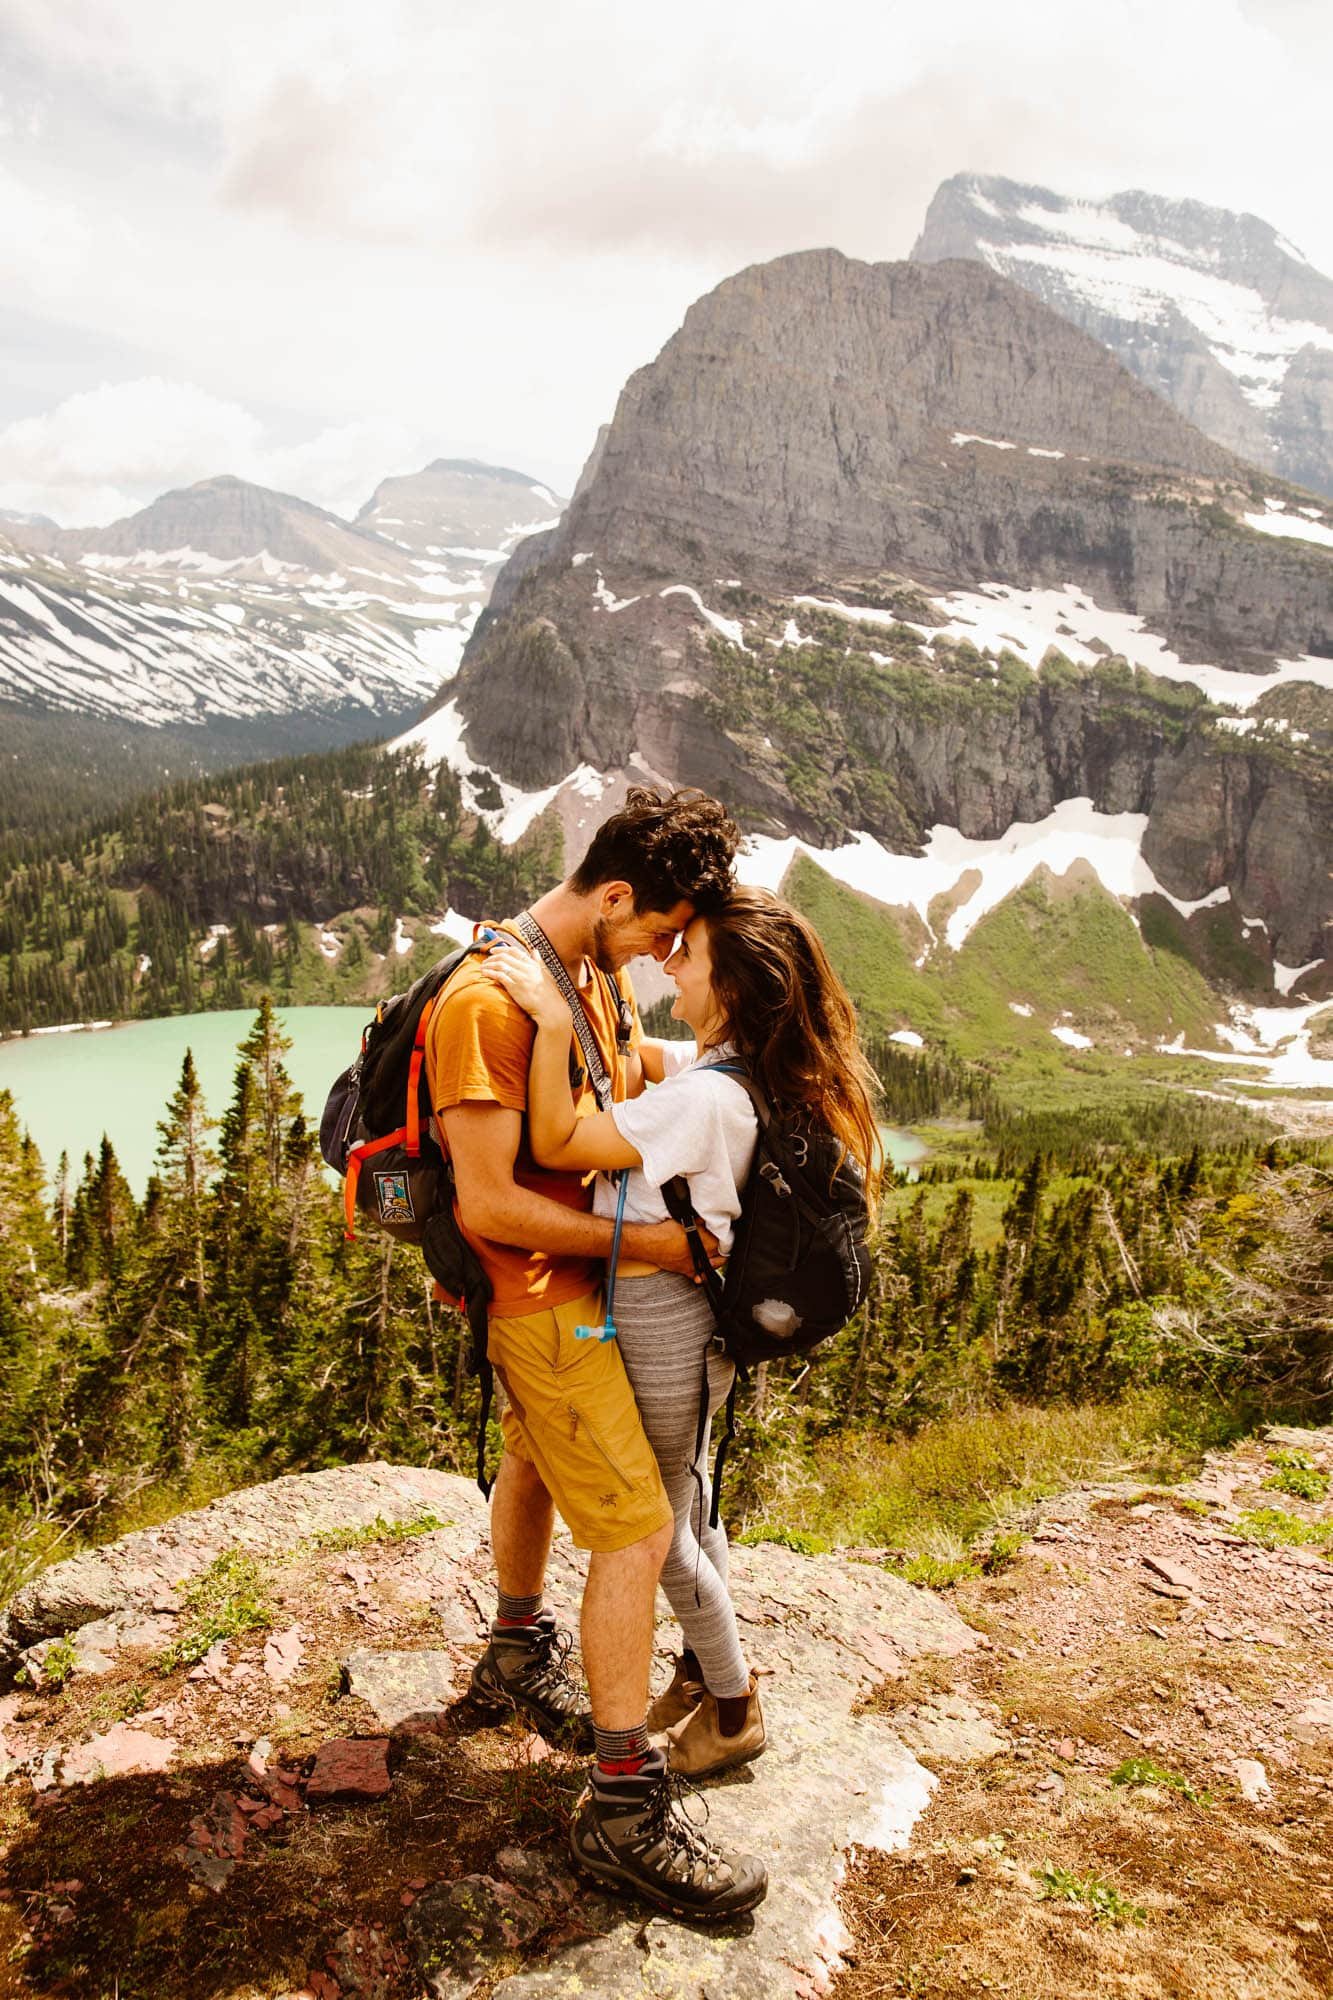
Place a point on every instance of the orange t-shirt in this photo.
(478, 1047)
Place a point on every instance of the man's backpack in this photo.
(799, 1265)
(376, 1132)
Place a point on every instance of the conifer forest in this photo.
(223, 1330)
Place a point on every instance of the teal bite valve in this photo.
(607, 1330)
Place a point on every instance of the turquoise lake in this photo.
(71, 1088)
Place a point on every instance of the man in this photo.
(573, 1437)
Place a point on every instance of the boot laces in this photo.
(544, 1670)
(670, 1820)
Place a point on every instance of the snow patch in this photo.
(1110, 843)
(970, 437)
(1019, 1007)
(608, 600)
(1027, 623)
(730, 628)
(1275, 522)
(1286, 976)
(908, 1037)
(1071, 1037)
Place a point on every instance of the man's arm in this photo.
(483, 1142)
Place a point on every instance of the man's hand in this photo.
(666, 1245)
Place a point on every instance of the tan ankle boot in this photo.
(677, 1700)
(697, 1748)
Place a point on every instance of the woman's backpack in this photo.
(800, 1262)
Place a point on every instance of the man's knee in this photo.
(657, 1546)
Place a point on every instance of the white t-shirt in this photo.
(692, 1123)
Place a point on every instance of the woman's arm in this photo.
(557, 1136)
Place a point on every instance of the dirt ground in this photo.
(1206, 1873)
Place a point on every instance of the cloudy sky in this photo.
(315, 243)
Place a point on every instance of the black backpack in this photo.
(376, 1132)
(800, 1263)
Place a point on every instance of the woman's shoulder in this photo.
(717, 1075)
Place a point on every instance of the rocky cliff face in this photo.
(1213, 310)
(790, 570)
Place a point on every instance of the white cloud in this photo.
(105, 453)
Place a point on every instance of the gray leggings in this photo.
(664, 1325)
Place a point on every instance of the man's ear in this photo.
(614, 899)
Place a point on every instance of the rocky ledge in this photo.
(324, 1708)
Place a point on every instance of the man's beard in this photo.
(605, 953)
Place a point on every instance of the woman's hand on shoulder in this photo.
(526, 980)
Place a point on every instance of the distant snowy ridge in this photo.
(1214, 310)
(226, 600)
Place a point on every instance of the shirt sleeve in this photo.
(678, 1127)
(480, 1044)
(677, 1056)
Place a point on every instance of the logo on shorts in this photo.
(607, 1499)
(394, 1197)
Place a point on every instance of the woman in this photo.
(754, 984)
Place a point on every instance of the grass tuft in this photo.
(1275, 1528)
(1295, 1472)
(222, 1602)
(1102, 1898)
(1144, 1771)
(798, 1539)
(378, 1530)
(934, 1572)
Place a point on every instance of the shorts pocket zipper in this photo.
(579, 1418)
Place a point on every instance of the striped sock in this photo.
(517, 1610)
(620, 1752)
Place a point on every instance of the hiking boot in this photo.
(678, 1698)
(631, 1832)
(523, 1668)
(696, 1747)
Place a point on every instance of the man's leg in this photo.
(522, 1521)
(617, 1629)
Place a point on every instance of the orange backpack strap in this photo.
(355, 1159)
(413, 1125)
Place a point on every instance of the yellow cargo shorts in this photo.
(571, 1413)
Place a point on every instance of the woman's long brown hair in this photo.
(792, 1021)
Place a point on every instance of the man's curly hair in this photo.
(669, 847)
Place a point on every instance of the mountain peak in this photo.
(1212, 308)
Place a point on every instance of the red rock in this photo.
(119, 1753)
(1172, 1572)
(282, 1654)
(351, 1767)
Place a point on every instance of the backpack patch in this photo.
(393, 1197)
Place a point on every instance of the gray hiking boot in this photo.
(523, 1668)
(632, 1833)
